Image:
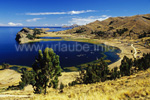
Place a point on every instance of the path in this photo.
(135, 52)
(21, 96)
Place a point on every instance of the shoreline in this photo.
(123, 45)
(125, 49)
(126, 46)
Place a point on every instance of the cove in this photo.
(71, 53)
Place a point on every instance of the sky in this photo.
(66, 12)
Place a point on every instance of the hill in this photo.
(127, 27)
(134, 87)
(9, 77)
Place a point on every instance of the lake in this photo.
(71, 53)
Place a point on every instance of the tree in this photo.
(95, 72)
(47, 69)
(143, 63)
(125, 67)
(115, 73)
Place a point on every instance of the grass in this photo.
(18, 68)
(78, 67)
(134, 87)
(8, 77)
(137, 87)
(73, 68)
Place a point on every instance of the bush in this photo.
(29, 36)
(121, 31)
(13, 87)
(95, 73)
(144, 35)
(26, 78)
(61, 87)
(99, 33)
(73, 83)
(100, 72)
(80, 30)
(36, 31)
(5, 66)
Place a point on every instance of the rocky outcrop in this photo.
(27, 35)
(21, 36)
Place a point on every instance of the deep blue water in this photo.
(50, 37)
(71, 53)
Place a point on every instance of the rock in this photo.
(21, 36)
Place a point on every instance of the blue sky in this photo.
(66, 12)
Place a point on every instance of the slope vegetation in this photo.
(134, 87)
(132, 27)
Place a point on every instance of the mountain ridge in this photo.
(131, 26)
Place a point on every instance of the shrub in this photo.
(61, 87)
(144, 35)
(100, 72)
(80, 30)
(99, 33)
(29, 36)
(36, 31)
(26, 78)
(95, 73)
(5, 66)
(121, 31)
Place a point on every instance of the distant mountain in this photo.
(134, 27)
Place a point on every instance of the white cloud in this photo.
(14, 24)
(61, 13)
(84, 21)
(33, 20)
(80, 12)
